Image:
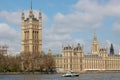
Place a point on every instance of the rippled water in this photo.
(106, 76)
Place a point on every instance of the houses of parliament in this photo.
(72, 58)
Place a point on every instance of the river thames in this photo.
(104, 76)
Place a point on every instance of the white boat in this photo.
(70, 74)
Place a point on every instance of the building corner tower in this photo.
(31, 35)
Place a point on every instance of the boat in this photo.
(70, 74)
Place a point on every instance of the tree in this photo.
(49, 63)
(111, 49)
(9, 63)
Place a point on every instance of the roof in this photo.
(57, 55)
(114, 55)
(68, 47)
(92, 56)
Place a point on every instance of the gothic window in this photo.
(37, 34)
(33, 34)
(36, 48)
(27, 34)
(33, 48)
(27, 48)
(75, 53)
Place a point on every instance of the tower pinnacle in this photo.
(31, 15)
(22, 15)
(95, 37)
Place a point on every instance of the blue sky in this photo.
(64, 22)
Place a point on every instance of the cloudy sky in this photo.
(64, 22)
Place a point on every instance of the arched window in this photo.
(33, 34)
(27, 34)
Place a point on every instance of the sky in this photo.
(65, 22)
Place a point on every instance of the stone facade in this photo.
(73, 58)
(31, 46)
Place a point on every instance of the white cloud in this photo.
(81, 41)
(12, 17)
(88, 15)
(116, 27)
(7, 32)
(54, 41)
(75, 22)
(9, 37)
(110, 8)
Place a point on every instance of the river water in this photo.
(105, 76)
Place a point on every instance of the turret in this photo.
(95, 37)
(78, 51)
(49, 52)
(22, 19)
(78, 48)
(103, 52)
(40, 19)
(22, 16)
(31, 15)
(40, 15)
(67, 50)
